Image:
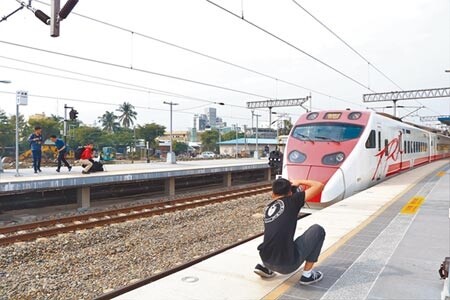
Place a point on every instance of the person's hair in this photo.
(281, 186)
(37, 127)
(53, 136)
(90, 143)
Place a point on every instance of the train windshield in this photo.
(335, 132)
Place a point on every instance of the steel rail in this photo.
(86, 221)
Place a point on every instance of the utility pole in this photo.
(236, 129)
(21, 99)
(256, 154)
(65, 122)
(171, 156)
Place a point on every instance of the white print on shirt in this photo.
(274, 211)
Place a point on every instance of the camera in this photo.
(296, 189)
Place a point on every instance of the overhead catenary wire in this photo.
(292, 46)
(348, 45)
(128, 86)
(134, 33)
(113, 104)
(116, 65)
(370, 64)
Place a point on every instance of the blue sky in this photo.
(408, 40)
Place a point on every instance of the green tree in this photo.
(109, 121)
(231, 136)
(84, 134)
(6, 133)
(149, 132)
(287, 126)
(49, 126)
(122, 138)
(128, 114)
(209, 140)
(179, 147)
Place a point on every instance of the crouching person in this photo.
(86, 158)
(280, 252)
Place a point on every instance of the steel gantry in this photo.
(407, 95)
(277, 103)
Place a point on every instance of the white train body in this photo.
(350, 151)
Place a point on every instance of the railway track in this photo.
(32, 231)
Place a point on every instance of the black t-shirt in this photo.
(280, 222)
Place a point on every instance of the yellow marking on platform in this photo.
(293, 280)
(441, 173)
(413, 205)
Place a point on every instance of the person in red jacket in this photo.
(86, 157)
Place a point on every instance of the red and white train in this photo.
(350, 151)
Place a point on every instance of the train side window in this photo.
(379, 141)
(409, 146)
(386, 148)
(371, 140)
(405, 149)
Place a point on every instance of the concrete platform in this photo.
(49, 179)
(369, 246)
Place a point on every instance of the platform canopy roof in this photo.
(251, 141)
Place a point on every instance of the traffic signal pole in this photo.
(65, 122)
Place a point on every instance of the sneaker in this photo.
(84, 172)
(39, 170)
(57, 170)
(263, 271)
(70, 168)
(315, 277)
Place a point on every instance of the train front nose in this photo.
(332, 177)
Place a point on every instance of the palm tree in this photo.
(108, 121)
(128, 114)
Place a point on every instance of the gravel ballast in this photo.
(88, 263)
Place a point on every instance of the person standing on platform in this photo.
(35, 139)
(86, 157)
(61, 148)
(280, 252)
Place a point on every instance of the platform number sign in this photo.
(21, 97)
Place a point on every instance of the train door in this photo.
(400, 148)
(381, 162)
(432, 148)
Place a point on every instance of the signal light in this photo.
(73, 114)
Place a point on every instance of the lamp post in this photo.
(21, 99)
(171, 156)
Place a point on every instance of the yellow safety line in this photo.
(413, 205)
(289, 283)
(442, 173)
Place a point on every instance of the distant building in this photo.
(211, 113)
(37, 116)
(246, 146)
(202, 122)
(179, 136)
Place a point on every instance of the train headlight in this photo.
(333, 159)
(340, 157)
(296, 157)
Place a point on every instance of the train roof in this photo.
(430, 129)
